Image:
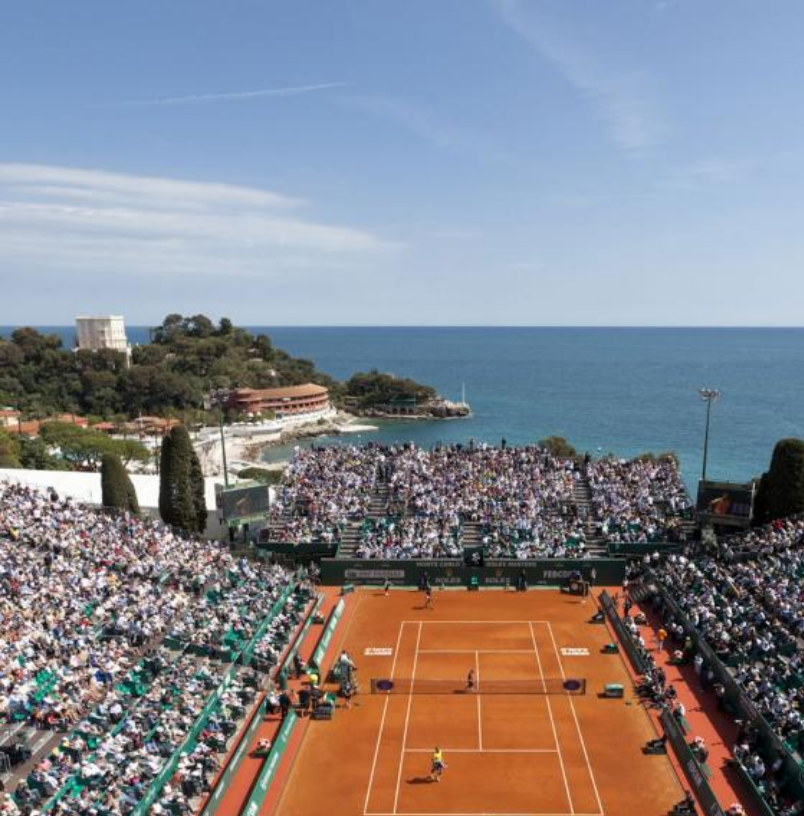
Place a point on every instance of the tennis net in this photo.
(569, 685)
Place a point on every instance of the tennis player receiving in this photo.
(437, 765)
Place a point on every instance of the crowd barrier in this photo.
(692, 768)
(737, 701)
(326, 636)
(453, 571)
(300, 552)
(627, 642)
(164, 776)
(624, 548)
(247, 654)
(764, 808)
(287, 663)
(214, 800)
(268, 770)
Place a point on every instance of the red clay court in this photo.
(510, 748)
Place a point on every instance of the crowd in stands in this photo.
(639, 500)
(324, 488)
(518, 502)
(744, 597)
(113, 630)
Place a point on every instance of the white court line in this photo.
(382, 722)
(475, 651)
(552, 721)
(477, 696)
(577, 724)
(407, 717)
(484, 751)
(485, 813)
(492, 622)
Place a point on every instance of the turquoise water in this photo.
(606, 390)
(619, 390)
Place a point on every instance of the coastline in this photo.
(244, 445)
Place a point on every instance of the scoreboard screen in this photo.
(244, 502)
(725, 503)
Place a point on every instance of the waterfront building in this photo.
(96, 333)
(9, 418)
(294, 400)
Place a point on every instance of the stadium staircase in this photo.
(377, 509)
(583, 501)
(472, 534)
(349, 540)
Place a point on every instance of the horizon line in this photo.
(611, 326)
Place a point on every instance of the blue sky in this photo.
(490, 162)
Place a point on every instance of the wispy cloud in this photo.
(707, 173)
(619, 97)
(231, 96)
(69, 218)
(414, 118)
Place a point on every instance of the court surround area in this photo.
(525, 741)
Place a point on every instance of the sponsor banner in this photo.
(226, 777)
(329, 630)
(692, 770)
(453, 572)
(268, 771)
(377, 574)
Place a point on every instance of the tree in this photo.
(370, 389)
(130, 450)
(116, 487)
(34, 455)
(177, 504)
(258, 474)
(198, 491)
(81, 447)
(781, 489)
(9, 451)
(558, 447)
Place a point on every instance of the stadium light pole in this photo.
(708, 395)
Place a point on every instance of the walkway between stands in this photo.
(239, 790)
(704, 719)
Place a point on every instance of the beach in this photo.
(247, 442)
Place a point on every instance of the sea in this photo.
(622, 391)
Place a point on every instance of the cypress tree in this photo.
(176, 503)
(165, 479)
(199, 498)
(782, 493)
(117, 490)
(761, 509)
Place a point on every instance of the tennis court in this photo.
(532, 738)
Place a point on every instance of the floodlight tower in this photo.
(708, 395)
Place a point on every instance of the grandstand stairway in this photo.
(472, 534)
(378, 503)
(583, 501)
(349, 540)
(377, 509)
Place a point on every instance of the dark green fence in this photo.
(320, 652)
(738, 702)
(300, 552)
(692, 769)
(624, 548)
(453, 572)
(623, 635)
(268, 771)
